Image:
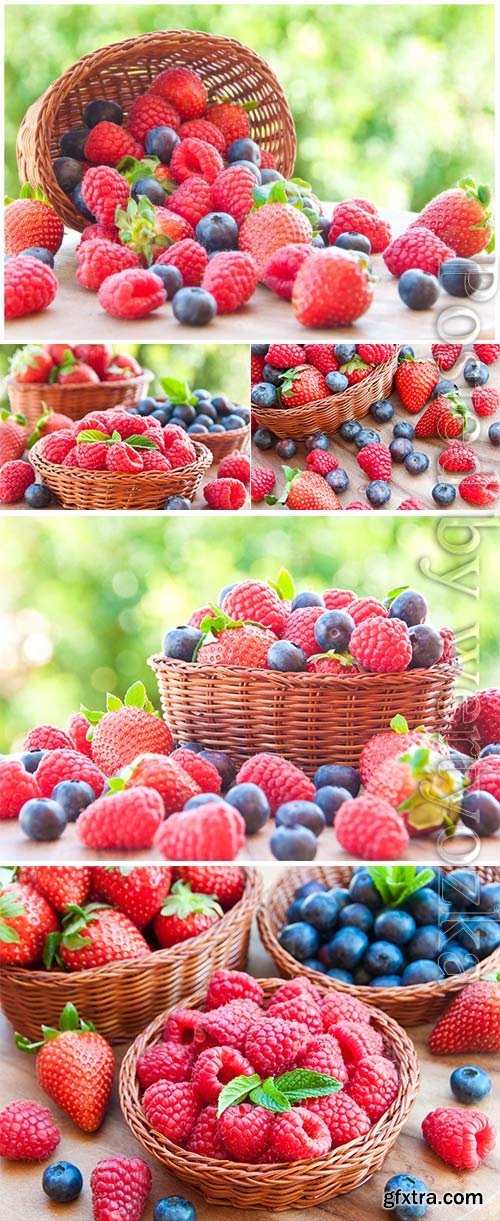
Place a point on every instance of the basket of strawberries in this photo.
(119, 943)
(266, 1114)
(73, 379)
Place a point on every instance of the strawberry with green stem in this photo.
(445, 418)
(472, 1021)
(92, 936)
(127, 728)
(462, 218)
(305, 490)
(149, 230)
(75, 1067)
(184, 914)
(26, 919)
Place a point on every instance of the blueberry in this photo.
(418, 290)
(403, 428)
(338, 479)
(400, 448)
(201, 799)
(354, 241)
(252, 804)
(461, 888)
(73, 143)
(223, 764)
(346, 977)
(383, 958)
(428, 941)
(427, 907)
(340, 775)
(42, 819)
(489, 899)
(226, 589)
(444, 386)
(404, 351)
(321, 910)
(180, 642)
(324, 225)
(183, 411)
(310, 888)
(317, 440)
(336, 382)
(386, 981)
(31, 759)
(307, 598)
(356, 915)
(244, 150)
(174, 1208)
(460, 277)
(151, 188)
(378, 493)
(301, 940)
(102, 110)
(68, 172)
(423, 971)
(314, 964)
(203, 421)
(146, 406)
(444, 494)
(38, 496)
(286, 657)
(270, 175)
(366, 436)
(363, 890)
(470, 1083)
(194, 306)
(273, 375)
(294, 912)
(232, 422)
(217, 231)
(333, 630)
(344, 352)
(40, 253)
(410, 606)
(162, 414)
(301, 814)
(329, 799)
(480, 935)
(382, 410)
(286, 448)
(460, 762)
(416, 463)
(259, 349)
(493, 748)
(73, 796)
(426, 646)
(453, 959)
(396, 925)
(243, 412)
(79, 202)
(160, 142)
(347, 947)
(175, 503)
(62, 1182)
(406, 1197)
(476, 373)
(494, 434)
(264, 395)
(349, 430)
(362, 977)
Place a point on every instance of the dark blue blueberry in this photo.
(342, 896)
(40, 253)
(293, 844)
(170, 277)
(423, 971)
(336, 382)
(73, 796)
(344, 352)
(174, 1208)
(259, 349)
(180, 642)
(252, 804)
(346, 977)
(333, 630)
(378, 493)
(317, 440)
(444, 494)
(494, 434)
(243, 412)
(354, 241)
(175, 503)
(366, 436)
(461, 888)
(216, 428)
(489, 898)
(324, 225)
(349, 429)
(163, 414)
(329, 798)
(273, 375)
(262, 438)
(31, 759)
(244, 149)
(338, 479)
(470, 1083)
(435, 881)
(79, 202)
(426, 646)
(286, 448)
(73, 144)
(460, 761)
(476, 373)
(347, 947)
(386, 981)
(270, 175)
(224, 765)
(146, 406)
(102, 110)
(294, 912)
(38, 496)
(232, 422)
(160, 142)
(301, 940)
(204, 421)
(314, 964)
(454, 959)
(62, 1182)
(302, 814)
(404, 351)
(460, 277)
(416, 463)
(382, 410)
(217, 231)
(428, 942)
(362, 977)
(406, 1197)
(69, 172)
(400, 448)
(356, 915)
(151, 188)
(286, 657)
(194, 306)
(427, 907)
(201, 799)
(394, 924)
(480, 811)
(264, 395)
(492, 749)
(410, 606)
(310, 888)
(321, 910)
(307, 598)
(363, 890)
(444, 386)
(480, 935)
(184, 411)
(42, 819)
(339, 775)
(418, 290)
(383, 958)
(403, 428)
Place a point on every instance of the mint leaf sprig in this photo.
(395, 883)
(277, 1093)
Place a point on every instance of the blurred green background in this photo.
(394, 102)
(83, 603)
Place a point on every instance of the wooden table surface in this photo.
(267, 317)
(402, 484)
(22, 1195)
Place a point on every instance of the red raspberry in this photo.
(352, 216)
(231, 277)
(91, 455)
(55, 447)
(487, 352)
(449, 654)
(198, 615)
(98, 259)
(125, 820)
(338, 599)
(190, 258)
(299, 628)
(213, 832)
(108, 144)
(92, 231)
(192, 200)
(375, 353)
(64, 764)
(462, 1138)
(324, 1056)
(485, 775)
(150, 111)
(282, 267)
(120, 1187)
(195, 157)
(322, 356)
(366, 608)
(215, 1068)
(371, 829)
(280, 780)
(231, 119)
(181, 453)
(47, 737)
(274, 1044)
(230, 1023)
(485, 400)
(228, 986)
(200, 770)
(374, 1084)
(382, 646)
(292, 988)
(246, 1131)
(458, 457)
(375, 460)
(446, 354)
(27, 1131)
(342, 1007)
(416, 248)
(29, 286)
(184, 89)
(201, 129)
(262, 482)
(256, 368)
(358, 504)
(232, 191)
(71, 458)
(15, 477)
(301, 1008)
(122, 457)
(104, 190)
(482, 488)
(298, 1135)
(410, 505)
(184, 1026)
(172, 1109)
(343, 1117)
(258, 602)
(205, 1138)
(235, 466)
(132, 293)
(267, 160)
(152, 460)
(225, 494)
(16, 787)
(356, 1042)
(285, 355)
(321, 462)
(165, 1060)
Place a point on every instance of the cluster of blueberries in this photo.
(204, 413)
(348, 933)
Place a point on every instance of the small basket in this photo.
(123, 70)
(308, 718)
(223, 443)
(411, 1005)
(326, 415)
(284, 1185)
(122, 997)
(75, 401)
(80, 489)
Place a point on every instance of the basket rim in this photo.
(9, 380)
(158, 661)
(120, 478)
(158, 958)
(296, 413)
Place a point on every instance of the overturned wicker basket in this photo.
(123, 70)
(223, 443)
(75, 401)
(411, 1005)
(326, 415)
(122, 997)
(309, 718)
(284, 1185)
(79, 489)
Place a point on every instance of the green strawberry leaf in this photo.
(269, 1096)
(69, 1018)
(236, 1091)
(399, 724)
(8, 935)
(135, 697)
(113, 702)
(302, 1083)
(91, 715)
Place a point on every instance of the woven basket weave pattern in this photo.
(222, 444)
(122, 71)
(122, 997)
(75, 401)
(326, 415)
(80, 489)
(410, 1005)
(287, 1185)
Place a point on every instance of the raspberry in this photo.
(190, 258)
(205, 1138)
(47, 737)
(231, 277)
(358, 504)
(262, 482)
(165, 1060)
(322, 356)
(485, 775)
(458, 457)
(232, 192)
(192, 200)
(366, 608)
(462, 1138)
(321, 462)
(410, 505)
(256, 368)
(15, 477)
(273, 1044)
(485, 400)
(356, 1042)
(324, 1056)
(298, 1135)
(62, 764)
(235, 466)
(280, 780)
(126, 820)
(299, 628)
(230, 1023)
(27, 1131)
(225, 494)
(231, 119)
(215, 1068)
(213, 832)
(487, 352)
(341, 1007)
(201, 129)
(71, 458)
(29, 286)
(258, 602)
(182, 453)
(195, 157)
(228, 986)
(343, 1117)
(267, 160)
(120, 1187)
(299, 1009)
(370, 828)
(449, 654)
(108, 144)
(271, 227)
(184, 1026)
(152, 460)
(149, 111)
(104, 190)
(201, 771)
(98, 259)
(375, 353)
(416, 248)
(92, 231)
(285, 355)
(293, 987)
(198, 615)
(482, 488)
(382, 646)
(122, 457)
(91, 455)
(352, 216)
(55, 447)
(246, 1131)
(282, 268)
(374, 1084)
(132, 293)
(446, 354)
(338, 599)
(376, 461)
(184, 89)
(172, 1109)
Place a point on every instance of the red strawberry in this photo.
(446, 354)
(127, 729)
(375, 460)
(476, 721)
(75, 1067)
(461, 217)
(184, 915)
(31, 364)
(332, 288)
(92, 936)
(458, 457)
(98, 355)
(471, 1022)
(355, 370)
(31, 221)
(120, 1187)
(226, 883)
(26, 919)
(138, 892)
(184, 89)
(415, 381)
(63, 885)
(13, 436)
(269, 228)
(485, 400)
(306, 490)
(238, 644)
(445, 417)
(481, 489)
(301, 385)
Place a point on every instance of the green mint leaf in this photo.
(139, 441)
(175, 389)
(236, 1091)
(302, 1083)
(91, 434)
(269, 1096)
(283, 585)
(394, 593)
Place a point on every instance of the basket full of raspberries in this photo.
(73, 379)
(120, 943)
(278, 1079)
(309, 676)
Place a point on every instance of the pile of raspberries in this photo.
(115, 441)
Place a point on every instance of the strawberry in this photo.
(92, 936)
(394, 741)
(160, 772)
(487, 352)
(75, 1067)
(120, 1187)
(415, 381)
(98, 355)
(127, 729)
(445, 417)
(471, 1022)
(76, 373)
(31, 221)
(137, 892)
(376, 461)
(13, 436)
(147, 230)
(184, 89)
(26, 918)
(355, 370)
(302, 384)
(270, 227)
(458, 457)
(485, 400)
(446, 354)
(63, 885)
(237, 644)
(461, 217)
(231, 119)
(226, 883)
(184, 914)
(31, 364)
(305, 490)
(262, 482)
(481, 489)
(332, 288)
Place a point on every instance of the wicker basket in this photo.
(122, 997)
(285, 1185)
(123, 70)
(411, 1005)
(75, 401)
(309, 718)
(223, 443)
(326, 415)
(80, 489)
